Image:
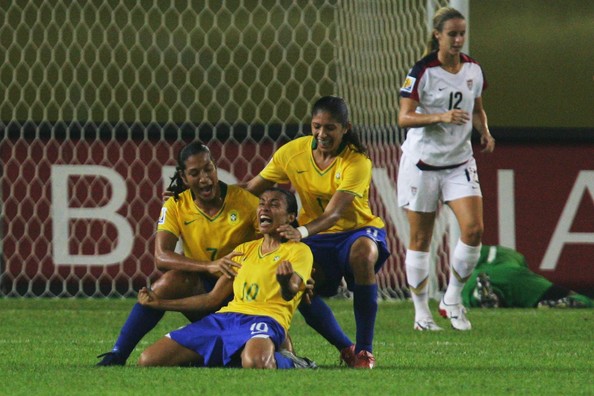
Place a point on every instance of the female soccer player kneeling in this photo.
(267, 290)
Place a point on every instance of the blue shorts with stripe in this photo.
(220, 337)
(331, 256)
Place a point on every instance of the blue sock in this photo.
(365, 305)
(140, 321)
(320, 317)
(283, 362)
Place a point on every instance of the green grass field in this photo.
(48, 346)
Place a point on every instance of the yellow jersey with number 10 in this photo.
(349, 172)
(255, 288)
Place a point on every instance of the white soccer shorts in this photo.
(421, 191)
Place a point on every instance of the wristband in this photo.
(303, 231)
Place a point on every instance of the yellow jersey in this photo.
(255, 288)
(209, 238)
(349, 172)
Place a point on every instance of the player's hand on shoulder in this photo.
(290, 233)
(225, 266)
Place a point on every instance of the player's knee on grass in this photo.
(146, 360)
(151, 357)
(258, 361)
(157, 354)
(166, 352)
(178, 284)
(258, 353)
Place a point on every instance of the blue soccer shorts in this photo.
(331, 256)
(220, 337)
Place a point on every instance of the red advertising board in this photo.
(542, 197)
(79, 216)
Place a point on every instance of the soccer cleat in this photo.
(364, 360)
(456, 313)
(484, 293)
(299, 362)
(426, 325)
(347, 356)
(111, 359)
(572, 301)
(580, 301)
(551, 304)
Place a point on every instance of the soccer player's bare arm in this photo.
(165, 256)
(332, 213)
(409, 118)
(200, 303)
(257, 185)
(167, 259)
(479, 122)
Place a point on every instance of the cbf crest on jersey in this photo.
(408, 85)
(233, 217)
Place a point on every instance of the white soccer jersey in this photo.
(439, 91)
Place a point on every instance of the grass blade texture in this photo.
(49, 347)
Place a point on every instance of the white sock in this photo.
(417, 276)
(464, 260)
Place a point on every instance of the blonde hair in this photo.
(441, 16)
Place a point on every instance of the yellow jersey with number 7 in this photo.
(209, 238)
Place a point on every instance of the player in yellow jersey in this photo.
(267, 290)
(331, 172)
(211, 218)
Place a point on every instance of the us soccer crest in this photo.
(469, 84)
